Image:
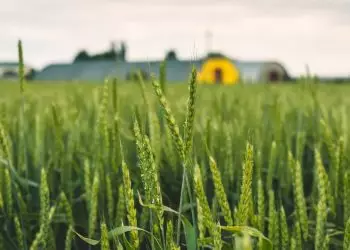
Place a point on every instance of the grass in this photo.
(160, 166)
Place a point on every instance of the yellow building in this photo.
(218, 70)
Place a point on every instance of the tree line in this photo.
(115, 53)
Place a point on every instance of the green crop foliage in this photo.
(119, 165)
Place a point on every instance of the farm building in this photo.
(9, 70)
(210, 70)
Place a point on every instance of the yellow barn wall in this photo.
(229, 71)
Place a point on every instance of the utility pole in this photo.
(113, 46)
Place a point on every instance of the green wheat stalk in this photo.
(299, 197)
(322, 201)
(19, 233)
(190, 115)
(220, 192)
(94, 204)
(246, 189)
(129, 201)
(104, 237)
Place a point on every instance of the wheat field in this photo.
(151, 165)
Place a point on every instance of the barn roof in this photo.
(98, 70)
(177, 70)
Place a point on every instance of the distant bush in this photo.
(111, 54)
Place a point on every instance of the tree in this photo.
(122, 52)
(171, 55)
(215, 54)
(82, 56)
(111, 54)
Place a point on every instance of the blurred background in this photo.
(293, 33)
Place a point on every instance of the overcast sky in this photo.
(294, 32)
